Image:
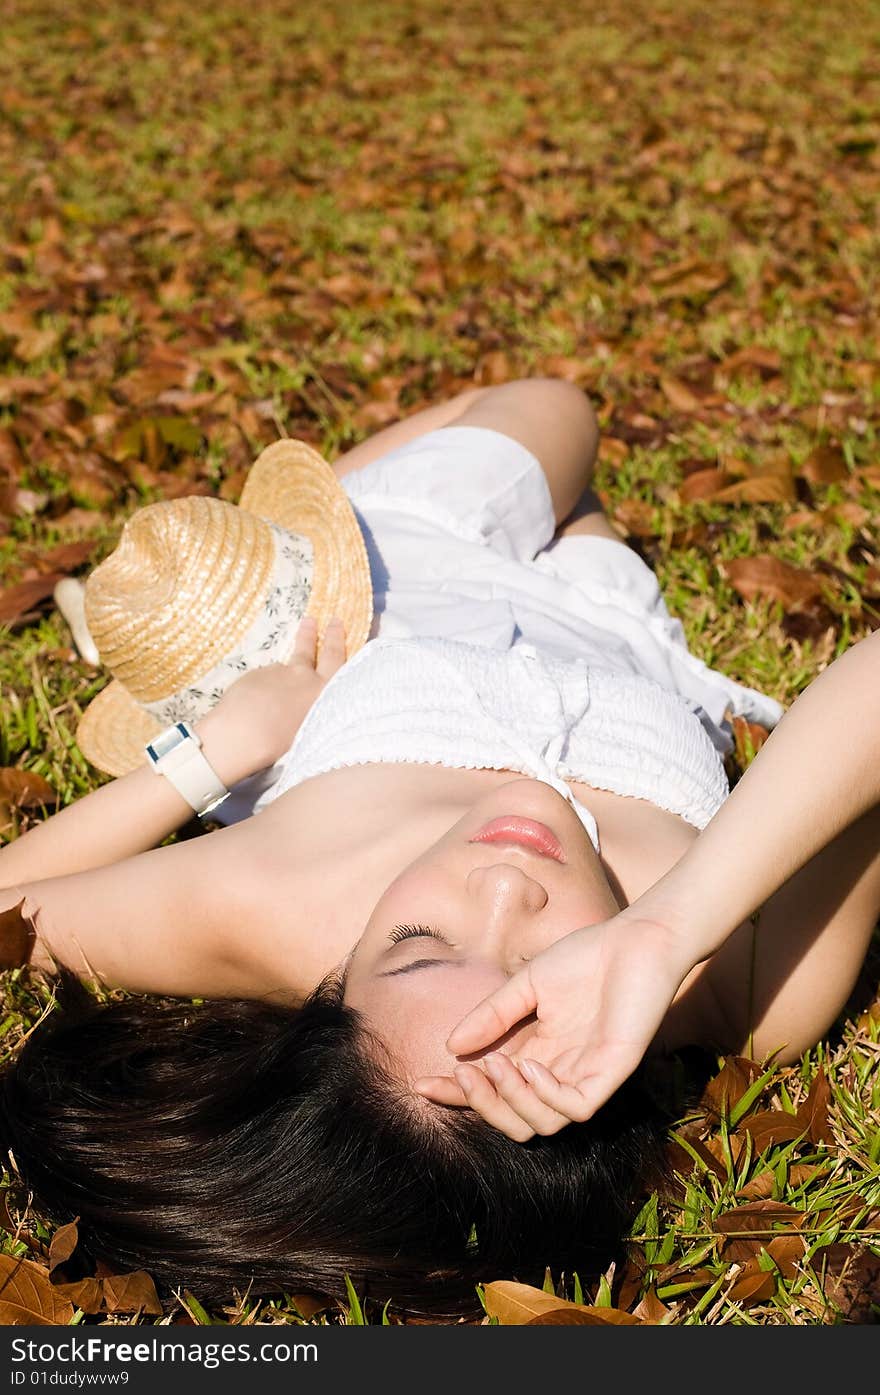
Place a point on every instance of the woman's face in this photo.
(488, 896)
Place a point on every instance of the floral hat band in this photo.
(199, 591)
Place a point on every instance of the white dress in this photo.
(493, 647)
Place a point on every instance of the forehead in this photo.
(414, 1013)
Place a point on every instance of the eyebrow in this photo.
(420, 964)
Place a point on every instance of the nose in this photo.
(508, 902)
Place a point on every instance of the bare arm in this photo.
(167, 920)
(124, 817)
(817, 774)
(806, 807)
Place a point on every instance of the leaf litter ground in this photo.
(221, 226)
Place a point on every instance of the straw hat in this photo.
(199, 591)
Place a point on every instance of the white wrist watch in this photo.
(176, 753)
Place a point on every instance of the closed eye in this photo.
(414, 932)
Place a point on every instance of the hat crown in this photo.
(182, 586)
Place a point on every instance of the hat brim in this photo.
(291, 485)
(114, 729)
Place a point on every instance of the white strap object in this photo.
(69, 596)
(176, 753)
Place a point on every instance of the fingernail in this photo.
(528, 1070)
(493, 1066)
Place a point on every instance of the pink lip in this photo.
(526, 833)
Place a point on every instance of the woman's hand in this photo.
(599, 995)
(258, 716)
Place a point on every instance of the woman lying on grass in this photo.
(497, 865)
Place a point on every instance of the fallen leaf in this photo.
(727, 1088)
(768, 578)
(27, 1298)
(522, 1305)
(577, 1316)
(747, 734)
(131, 1293)
(757, 489)
(702, 484)
(771, 1126)
(755, 1216)
(636, 517)
(755, 1286)
(26, 596)
(86, 1294)
(767, 362)
(679, 395)
(651, 1310)
(812, 1115)
(749, 1229)
(855, 1292)
(17, 935)
(63, 1244)
(308, 1304)
(824, 465)
(25, 789)
(494, 368)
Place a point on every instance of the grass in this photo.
(325, 207)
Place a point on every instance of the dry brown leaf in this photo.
(27, 1298)
(494, 368)
(308, 1304)
(679, 395)
(753, 1287)
(812, 1115)
(757, 489)
(761, 1186)
(517, 1304)
(702, 484)
(855, 1289)
(651, 1309)
(745, 733)
(771, 1126)
(750, 1229)
(787, 1251)
(727, 1088)
(63, 1244)
(131, 1293)
(761, 1216)
(17, 935)
(824, 465)
(769, 578)
(87, 1294)
(522, 1305)
(613, 451)
(767, 362)
(583, 1316)
(25, 789)
(636, 517)
(26, 596)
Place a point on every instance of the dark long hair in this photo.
(242, 1144)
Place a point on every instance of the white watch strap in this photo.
(176, 753)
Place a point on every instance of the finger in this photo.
(494, 1016)
(522, 1098)
(443, 1089)
(482, 1097)
(332, 655)
(306, 642)
(577, 1102)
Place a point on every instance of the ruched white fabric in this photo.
(445, 702)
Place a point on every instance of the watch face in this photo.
(167, 741)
